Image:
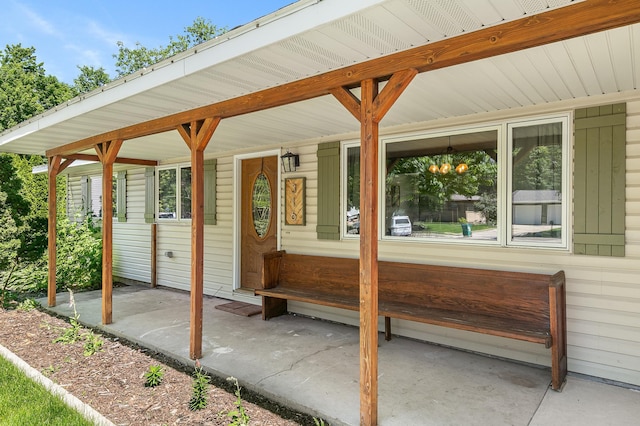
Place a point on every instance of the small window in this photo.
(94, 197)
(537, 202)
(174, 193)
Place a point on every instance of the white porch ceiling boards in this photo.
(308, 40)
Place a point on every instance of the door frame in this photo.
(237, 198)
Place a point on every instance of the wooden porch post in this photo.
(197, 135)
(369, 111)
(368, 256)
(55, 167)
(107, 152)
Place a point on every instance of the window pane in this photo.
(442, 187)
(185, 193)
(536, 197)
(167, 194)
(353, 190)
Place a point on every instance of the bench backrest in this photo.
(331, 275)
(513, 295)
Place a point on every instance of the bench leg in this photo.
(273, 307)
(387, 328)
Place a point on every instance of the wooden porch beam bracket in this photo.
(567, 22)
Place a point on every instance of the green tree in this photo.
(25, 89)
(90, 78)
(130, 60)
(9, 244)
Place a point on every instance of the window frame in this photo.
(504, 144)
(178, 193)
(565, 187)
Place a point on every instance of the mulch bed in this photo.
(112, 380)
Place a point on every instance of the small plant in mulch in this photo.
(92, 342)
(153, 377)
(200, 389)
(239, 416)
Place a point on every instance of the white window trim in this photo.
(178, 218)
(504, 184)
(565, 187)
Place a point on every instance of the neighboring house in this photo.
(500, 77)
(537, 207)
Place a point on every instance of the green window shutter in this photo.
(121, 197)
(328, 227)
(149, 195)
(599, 180)
(85, 195)
(210, 191)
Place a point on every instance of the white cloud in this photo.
(39, 22)
(111, 38)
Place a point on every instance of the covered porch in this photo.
(318, 73)
(312, 366)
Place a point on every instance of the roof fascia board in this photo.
(322, 13)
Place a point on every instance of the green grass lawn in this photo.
(24, 402)
(449, 227)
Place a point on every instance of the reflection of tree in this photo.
(540, 169)
(167, 191)
(412, 187)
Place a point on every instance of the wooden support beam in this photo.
(119, 160)
(197, 136)
(368, 255)
(369, 111)
(107, 152)
(53, 169)
(563, 23)
(154, 255)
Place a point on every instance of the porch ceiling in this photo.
(308, 39)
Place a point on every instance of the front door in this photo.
(259, 213)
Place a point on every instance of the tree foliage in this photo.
(25, 89)
(90, 78)
(130, 60)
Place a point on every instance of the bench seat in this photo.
(517, 305)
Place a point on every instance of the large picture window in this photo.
(436, 187)
(503, 184)
(174, 193)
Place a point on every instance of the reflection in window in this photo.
(185, 193)
(536, 176)
(442, 187)
(167, 208)
(95, 196)
(353, 190)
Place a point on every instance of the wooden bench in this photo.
(523, 306)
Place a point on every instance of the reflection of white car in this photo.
(399, 226)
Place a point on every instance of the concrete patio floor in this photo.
(313, 366)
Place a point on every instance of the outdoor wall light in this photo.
(169, 254)
(290, 161)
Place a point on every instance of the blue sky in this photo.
(68, 33)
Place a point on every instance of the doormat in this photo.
(240, 308)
